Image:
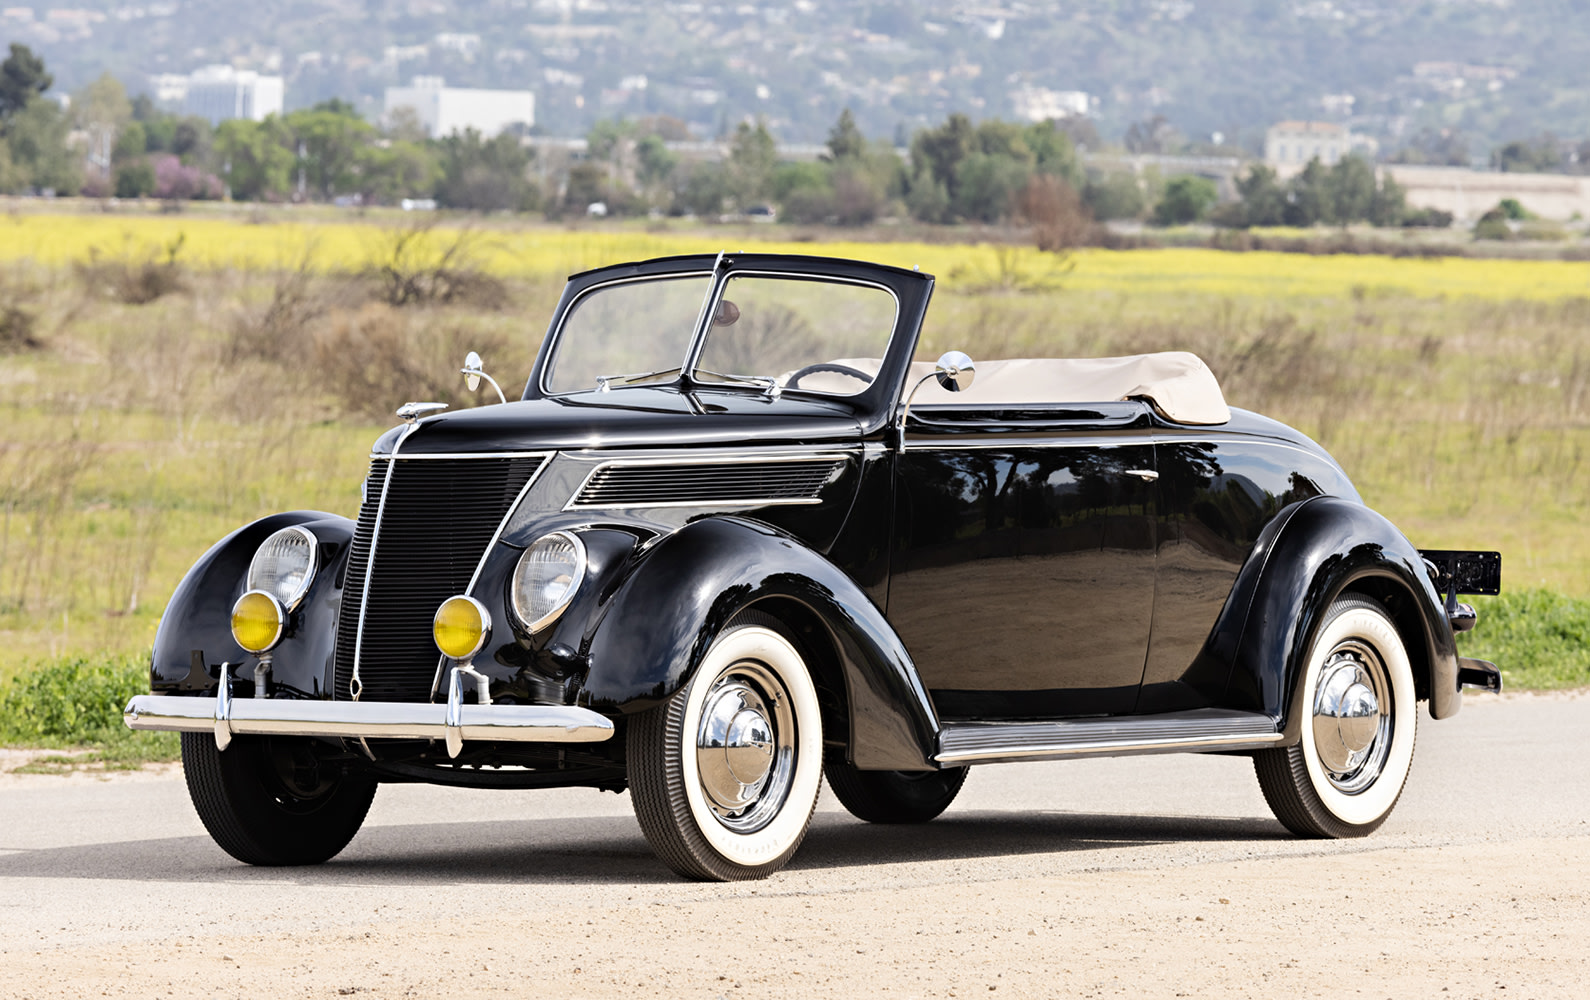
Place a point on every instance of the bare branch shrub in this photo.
(135, 278)
(280, 331)
(18, 322)
(374, 358)
(419, 265)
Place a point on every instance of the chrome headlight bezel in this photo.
(292, 598)
(534, 619)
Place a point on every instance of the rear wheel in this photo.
(725, 774)
(272, 801)
(894, 796)
(1360, 714)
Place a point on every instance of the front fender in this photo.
(659, 623)
(1324, 547)
(195, 634)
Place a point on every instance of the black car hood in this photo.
(634, 417)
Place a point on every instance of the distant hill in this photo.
(1495, 69)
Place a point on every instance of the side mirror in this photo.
(954, 371)
(474, 370)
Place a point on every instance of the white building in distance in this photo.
(1289, 146)
(217, 93)
(1037, 104)
(443, 110)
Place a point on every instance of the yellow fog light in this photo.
(257, 621)
(461, 627)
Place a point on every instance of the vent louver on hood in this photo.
(679, 484)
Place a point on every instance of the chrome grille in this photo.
(691, 484)
(440, 516)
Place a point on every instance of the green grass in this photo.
(75, 703)
(1540, 639)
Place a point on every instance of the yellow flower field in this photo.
(547, 250)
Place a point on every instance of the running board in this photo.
(1118, 736)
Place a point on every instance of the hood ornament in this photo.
(411, 412)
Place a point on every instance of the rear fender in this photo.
(654, 631)
(1321, 549)
(195, 633)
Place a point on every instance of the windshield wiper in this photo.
(606, 382)
(763, 382)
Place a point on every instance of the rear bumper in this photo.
(452, 722)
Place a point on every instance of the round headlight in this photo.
(284, 565)
(460, 627)
(257, 621)
(549, 573)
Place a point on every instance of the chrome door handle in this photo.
(1148, 474)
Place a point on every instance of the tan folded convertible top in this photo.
(1177, 384)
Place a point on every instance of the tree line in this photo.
(106, 144)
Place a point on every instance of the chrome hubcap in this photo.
(1352, 720)
(745, 746)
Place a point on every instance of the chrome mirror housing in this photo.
(474, 370)
(955, 371)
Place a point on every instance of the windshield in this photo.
(630, 329)
(767, 331)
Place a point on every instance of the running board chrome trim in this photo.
(1175, 732)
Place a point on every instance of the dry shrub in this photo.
(135, 278)
(16, 330)
(1056, 214)
(418, 266)
(18, 321)
(280, 331)
(372, 359)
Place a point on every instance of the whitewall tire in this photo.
(724, 775)
(1359, 717)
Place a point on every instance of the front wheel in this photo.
(1360, 713)
(724, 775)
(270, 801)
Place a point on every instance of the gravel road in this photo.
(1136, 877)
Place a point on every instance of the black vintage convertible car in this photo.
(731, 539)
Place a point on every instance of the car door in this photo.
(1022, 573)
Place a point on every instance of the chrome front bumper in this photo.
(452, 722)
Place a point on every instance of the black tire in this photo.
(894, 796)
(703, 817)
(270, 802)
(1326, 785)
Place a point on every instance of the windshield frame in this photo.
(910, 292)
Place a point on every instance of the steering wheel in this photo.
(826, 366)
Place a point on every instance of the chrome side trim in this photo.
(1223, 437)
(1204, 729)
(459, 454)
(719, 458)
(367, 720)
